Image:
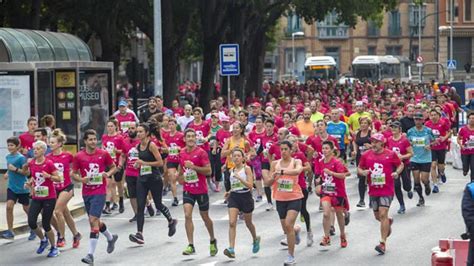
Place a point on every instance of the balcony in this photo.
(333, 32)
(394, 31)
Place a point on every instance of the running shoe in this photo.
(320, 207)
(150, 210)
(189, 250)
(137, 238)
(259, 199)
(61, 242)
(309, 239)
(229, 252)
(175, 202)
(401, 210)
(256, 245)
(290, 260)
(410, 194)
(121, 209)
(107, 211)
(8, 234)
(361, 204)
(421, 202)
(427, 189)
(343, 241)
(269, 207)
(217, 189)
(111, 244)
(390, 220)
(133, 219)
(380, 248)
(43, 246)
(76, 240)
(115, 206)
(89, 259)
(53, 252)
(213, 186)
(435, 189)
(347, 218)
(332, 231)
(32, 235)
(172, 227)
(213, 248)
(284, 242)
(326, 241)
(442, 177)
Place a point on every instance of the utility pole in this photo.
(419, 36)
(158, 79)
(451, 11)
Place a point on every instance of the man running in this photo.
(90, 166)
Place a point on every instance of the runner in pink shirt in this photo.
(124, 117)
(466, 143)
(175, 141)
(90, 168)
(256, 136)
(381, 166)
(267, 141)
(28, 138)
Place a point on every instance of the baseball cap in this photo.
(225, 118)
(396, 124)
(256, 104)
(378, 137)
(122, 103)
(418, 115)
(333, 104)
(359, 103)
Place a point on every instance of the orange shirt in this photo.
(306, 128)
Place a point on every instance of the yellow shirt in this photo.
(354, 120)
(306, 128)
(316, 117)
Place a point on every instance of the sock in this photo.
(213, 241)
(166, 212)
(107, 204)
(94, 238)
(121, 201)
(268, 194)
(176, 198)
(103, 229)
(418, 190)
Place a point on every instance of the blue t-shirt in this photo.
(418, 140)
(339, 131)
(31, 154)
(16, 182)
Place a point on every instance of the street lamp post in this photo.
(419, 37)
(451, 14)
(293, 56)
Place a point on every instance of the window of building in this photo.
(373, 29)
(294, 23)
(468, 10)
(393, 50)
(448, 10)
(372, 50)
(394, 28)
(414, 11)
(329, 28)
(461, 51)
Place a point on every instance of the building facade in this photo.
(398, 35)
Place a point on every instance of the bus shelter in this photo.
(51, 73)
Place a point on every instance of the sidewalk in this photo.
(20, 223)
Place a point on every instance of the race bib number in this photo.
(96, 180)
(470, 144)
(285, 185)
(329, 188)
(112, 153)
(235, 184)
(436, 133)
(174, 150)
(378, 179)
(190, 176)
(419, 142)
(362, 149)
(337, 137)
(145, 170)
(41, 191)
(125, 126)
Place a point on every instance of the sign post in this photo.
(229, 63)
(419, 64)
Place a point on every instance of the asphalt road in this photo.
(414, 235)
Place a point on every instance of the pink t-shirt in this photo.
(93, 166)
(333, 186)
(275, 152)
(294, 131)
(175, 144)
(301, 178)
(381, 166)
(113, 145)
(439, 129)
(43, 188)
(124, 121)
(202, 131)
(267, 142)
(131, 151)
(194, 182)
(27, 140)
(399, 146)
(62, 163)
(316, 142)
(467, 139)
(256, 138)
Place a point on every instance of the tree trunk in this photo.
(257, 60)
(208, 71)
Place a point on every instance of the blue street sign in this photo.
(229, 59)
(452, 64)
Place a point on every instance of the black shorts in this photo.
(66, 189)
(172, 165)
(23, 199)
(202, 200)
(242, 201)
(438, 156)
(377, 202)
(132, 186)
(422, 167)
(284, 206)
(118, 176)
(265, 166)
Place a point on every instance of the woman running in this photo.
(43, 175)
(333, 192)
(287, 193)
(466, 142)
(149, 180)
(256, 137)
(112, 142)
(175, 141)
(62, 160)
(239, 199)
(360, 145)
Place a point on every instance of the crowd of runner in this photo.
(296, 141)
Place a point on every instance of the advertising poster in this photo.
(65, 94)
(14, 95)
(93, 101)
